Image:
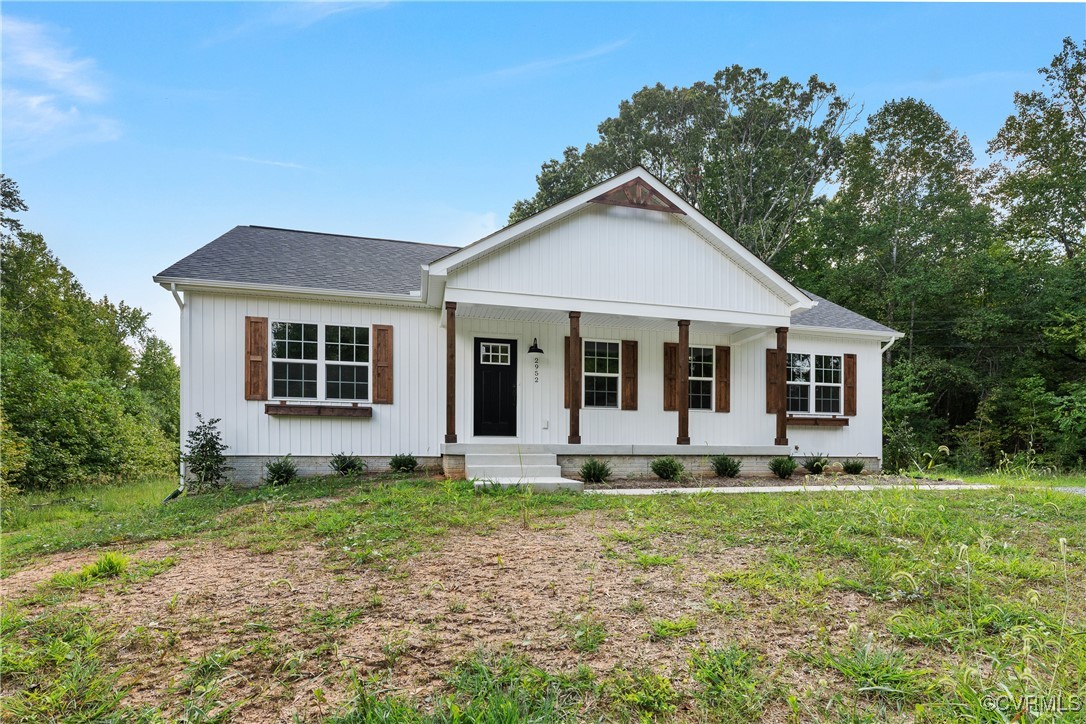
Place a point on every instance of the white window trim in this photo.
(711, 379)
(584, 375)
(811, 385)
(321, 362)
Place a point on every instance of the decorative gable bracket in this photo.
(639, 195)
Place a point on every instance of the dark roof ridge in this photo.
(349, 236)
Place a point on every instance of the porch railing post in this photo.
(782, 386)
(450, 372)
(682, 376)
(574, 378)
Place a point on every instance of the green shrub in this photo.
(853, 466)
(667, 468)
(280, 471)
(816, 463)
(205, 463)
(725, 466)
(595, 471)
(403, 463)
(344, 465)
(783, 467)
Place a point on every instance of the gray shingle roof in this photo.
(834, 316)
(263, 255)
(283, 257)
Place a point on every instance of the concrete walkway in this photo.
(788, 489)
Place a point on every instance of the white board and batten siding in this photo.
(543, 419)
(635, 257)
(863, 435)
(213, 379)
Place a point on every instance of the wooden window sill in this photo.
(816, 421)
(317, 410)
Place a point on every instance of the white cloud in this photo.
(266, 162)
(538, 67)
(290, 16)
(49, 93)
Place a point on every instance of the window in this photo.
(305, 355)
(815, 383)
(701, 378)
(294, 344)
(601, 374)
(494, 353)
(349, 349)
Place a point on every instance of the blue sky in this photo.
(140, 131)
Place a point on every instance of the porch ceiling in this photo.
(590, 319)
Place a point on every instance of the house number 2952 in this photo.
(535, 372)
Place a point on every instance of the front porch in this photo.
(513, 380)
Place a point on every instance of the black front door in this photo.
(496, 387)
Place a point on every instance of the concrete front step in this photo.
(540, 484)
(514, 471)
(510, 458)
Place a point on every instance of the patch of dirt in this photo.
(25, 580)
(762, 481)
(300, 622)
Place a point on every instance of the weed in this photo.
(877, 672)
(664, 628)
(729, 684)
(586, 633)
(280, 471)
(643, 691)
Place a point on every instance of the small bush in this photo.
(667, 468)
(280, 471)
(725, 466)
(595, 471)
(344, 465)
(853, 466)
(816, 463)
(205, 463)
(403, 463)
(783, 467)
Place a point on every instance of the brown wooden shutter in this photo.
(723, 379)
(850, 385)
(629, 374)
(772, 381)
(256, 358)
(382, 364)
(671, 377)
(565, 373)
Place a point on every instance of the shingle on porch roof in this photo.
(283, 257)
(834, 316)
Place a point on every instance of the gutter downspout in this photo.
(181, 484)
(176, 296)
(888, 345)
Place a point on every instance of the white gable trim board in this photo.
(591, 271)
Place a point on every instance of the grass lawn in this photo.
(393, 600)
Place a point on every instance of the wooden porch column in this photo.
(682, 376)
(574, 378)
(450, 372)
(782, 388)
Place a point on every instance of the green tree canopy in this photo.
(746, 150)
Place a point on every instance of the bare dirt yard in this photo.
(558, 607)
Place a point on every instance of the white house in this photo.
(620, 324)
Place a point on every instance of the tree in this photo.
(1043, 194)
(747, 151)
(10, 203)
